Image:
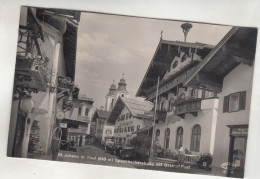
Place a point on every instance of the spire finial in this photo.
(113, 81)
(123, 75)
(186, 28)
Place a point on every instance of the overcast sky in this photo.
(110, 45)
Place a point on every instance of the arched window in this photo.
(163, 106)
(179, 138)
(167, 138)
(195, 138)
(122, 95)
(182, 95)
(170, 108)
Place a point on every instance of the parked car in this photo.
(116, 149)
(68, 145)
(127, 152)
(109, 143)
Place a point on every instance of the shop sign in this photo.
(239, 131)
(63, 125)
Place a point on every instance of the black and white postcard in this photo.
(132, 92)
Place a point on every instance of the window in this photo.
(138, 127)
(112, 103)
(132, 129)
(129, 129)
(108, 132)
(171, 104)
(122, 95)
(195, 138)
(193, 93)
(79, 111)
(167, 138)
(126, 116)
(86, 111)
(175, 64)
(234, 102)
(182, 95)
(179, 138)
(163, 106)
(125, 129)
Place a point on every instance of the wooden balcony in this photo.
(188, 105)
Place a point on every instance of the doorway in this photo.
(237, 151)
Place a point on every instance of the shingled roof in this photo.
(100, 114)
(136, 106)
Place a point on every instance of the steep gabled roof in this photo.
(100, 114)
(163, 56)
(136, 106)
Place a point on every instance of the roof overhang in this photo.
(237, 46)
(161, 61)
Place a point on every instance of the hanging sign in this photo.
(63, 125)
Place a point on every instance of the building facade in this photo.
(232, 66)
(128, 116)
(76, 122)
(100, 122)
(188, 115)
(46, 50)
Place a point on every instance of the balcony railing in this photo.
(32, 73)
(187, 105)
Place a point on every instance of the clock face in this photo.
(60, 115)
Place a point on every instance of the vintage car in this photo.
(116, 149)
(68, 145)
(127, 152)
(109, 143)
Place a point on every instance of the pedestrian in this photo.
(181, 156)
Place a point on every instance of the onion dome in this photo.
(121, 84)
(112, 89)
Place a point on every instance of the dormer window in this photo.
(86, 111)
(175, 64)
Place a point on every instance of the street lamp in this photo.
(186, 28)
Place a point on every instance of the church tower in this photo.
(121, 89)
(110, 97)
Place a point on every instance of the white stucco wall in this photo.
(205, 118)
(239, 79)
(126, 123)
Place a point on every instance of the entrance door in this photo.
(237, 151)
(238, 155)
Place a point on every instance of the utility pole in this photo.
(154, 118)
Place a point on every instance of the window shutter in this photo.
(242, 100)
(226, 104)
